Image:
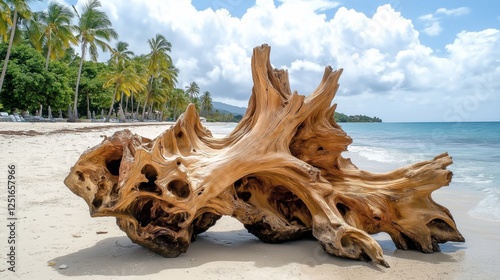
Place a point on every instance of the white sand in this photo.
(54, 225)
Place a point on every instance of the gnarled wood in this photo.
(280, 173)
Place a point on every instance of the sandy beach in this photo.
(54, 229)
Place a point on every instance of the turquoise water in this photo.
(474, 146)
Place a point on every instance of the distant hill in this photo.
(226, 108)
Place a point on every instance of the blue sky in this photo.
(403, 60)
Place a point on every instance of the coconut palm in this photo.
(94, 30)
(5, 20)
(56, 31)
(159, 95)
(162, 75)
(33, 31)
(192, 90)
(206, 102)
(158, 91)
(121, 52)
(18, 9)
(196, 101)
(158, 58)
(178, 101)
(139, 63)
(124, 77)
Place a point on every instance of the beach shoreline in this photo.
(54, 225)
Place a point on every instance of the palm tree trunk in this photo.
(151, 108)
(126, 107)
(132, 105)
(137, 111)
(88, 107)
(121, 115)
(112, 103)
(9, 48)
(163, 110)
(144, 108)
(47, 59)
(74, 116)
(121, 100)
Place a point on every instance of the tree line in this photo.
(340, 117)
(40, 67)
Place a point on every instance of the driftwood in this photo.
(280, 173)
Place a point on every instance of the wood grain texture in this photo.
(280, 173)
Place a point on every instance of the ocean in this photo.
(474, 147)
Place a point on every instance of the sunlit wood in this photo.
(280, 173)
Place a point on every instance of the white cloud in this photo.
(306, 65)
(433, 21)
(427, 17)
(476, 59)
(383, 59)
(189, 64)
(453, 12)
(433, 29)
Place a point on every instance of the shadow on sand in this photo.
(118, 256)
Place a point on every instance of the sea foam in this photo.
(489, 208)
(384, 155)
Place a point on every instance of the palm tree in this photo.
(123, 76)
(121, 54)
(139, 63)
(157, 92)
(179, 100)
(158, 58)
(19, 8)
(56, 29)
(5, 20)
(197, 102)
(162, 75)
(193, 90)
(206, 102)
(159, 96)
(94, 30)
(33, 31)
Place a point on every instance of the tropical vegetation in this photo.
(41, 68)
(340, 117)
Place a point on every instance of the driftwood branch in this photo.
(280, 173)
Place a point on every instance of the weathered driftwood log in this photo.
(280, 173)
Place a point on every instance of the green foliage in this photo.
(5, 21)
(52, 30)
(91, 85)
(28, 85)
(197, 103)
(217, 116)
(206, 102)
(340, 117)
(94, 29)
(192, 90)
(147, 81)
(177, 102)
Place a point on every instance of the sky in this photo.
(403, 60)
